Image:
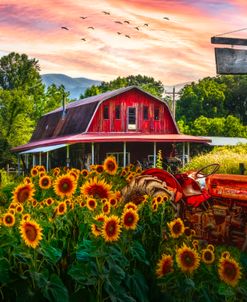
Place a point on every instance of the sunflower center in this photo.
(230, 270)
(166, 267)
(111, 166)
(188, 259)
(208, 256)
(61, 208)
(45, 182)
(31, 232)
(110, 229)
(9, 219)
(129, 219)
(177, 228)
(23, 195)
(97, 191)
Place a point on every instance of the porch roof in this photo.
(112, 137)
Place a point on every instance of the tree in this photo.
(148, 84)
(18, 71)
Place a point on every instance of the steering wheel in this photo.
(200, 174)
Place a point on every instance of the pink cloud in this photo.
(172, 51)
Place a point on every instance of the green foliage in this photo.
(148, 84)
(159, 161)
(227, 157)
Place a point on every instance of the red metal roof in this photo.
(112, 137)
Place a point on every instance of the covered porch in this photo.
(81, 150)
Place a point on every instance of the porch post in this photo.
(18, 165)
(124, 154)
(67, 156)
(47, 161)
(183, 158)
(40, 158)
(154, 154)
(33, 159)
(26, 160)
(188, 151)
(92, 148)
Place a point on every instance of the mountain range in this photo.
(77, 86)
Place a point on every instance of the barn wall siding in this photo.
(139, 100)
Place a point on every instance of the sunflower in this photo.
(84, 173)
(99, 169)
(8, 219)
(34, 202)
(27, 180)
(159, 198)
(100, 218)
(110, 165)
(23, 192)
(187, 259)
(113, 201)
(124, 173)
(208, 256)
(56, 172)
(229, 271)
(91, 204)
(187, 231)
(13, 205)
(31, 233)
(74, 175)
(96, 188)
(130, 219)
(130, 205)
(95, 230)
(210, 247)
(195, 244)
(34, 171)
(164, 266)
(225, 254)
(83, 204)
(106, 208)
(42, 174)
(26, 217)
(129, 177)
(49, 201)
(45, 182)
(19, 208)
(111, 228)
(11, 211)
(61, 208)
(154, 206)
(176, 227)
(65, 186)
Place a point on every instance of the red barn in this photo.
(128, 122)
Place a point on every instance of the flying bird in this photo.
(118, 33)
(83, 18)
(106, 13)
(126, 21)
(90, 27)
(118, 22)
(166, 18)
(83, 39)
(63, 27)
(127, 36)
(145, 24)
(137, 28)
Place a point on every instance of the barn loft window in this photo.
(117, 112)
(145, 112)
(106, 112)
(156, 114)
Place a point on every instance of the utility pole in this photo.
(173, 107)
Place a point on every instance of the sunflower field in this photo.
(71, 235)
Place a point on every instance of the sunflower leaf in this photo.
(4, 270)
(225, 290)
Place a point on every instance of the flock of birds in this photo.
(117, 22)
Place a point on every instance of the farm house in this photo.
(128, 123)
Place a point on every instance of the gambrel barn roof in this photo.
(72, 127)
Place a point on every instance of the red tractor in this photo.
(214, 205)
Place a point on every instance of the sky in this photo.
(168, 40)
